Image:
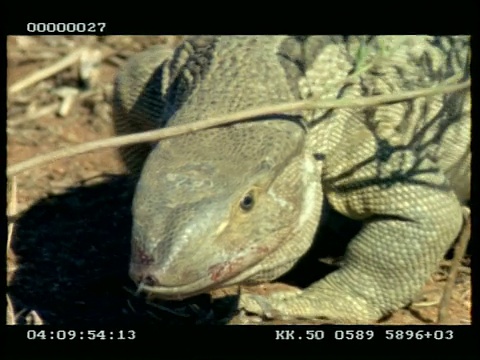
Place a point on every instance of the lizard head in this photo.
(232, 204)
(223, 206)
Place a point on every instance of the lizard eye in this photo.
(247, 202)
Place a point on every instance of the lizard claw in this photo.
(268, 307)
(257, 305)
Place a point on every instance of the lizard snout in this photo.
(153, 276)
(148, 276)
(140, 276)
(165, 286)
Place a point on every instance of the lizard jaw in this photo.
(201, 286)
(226, 273)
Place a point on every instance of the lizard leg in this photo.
(386, 264)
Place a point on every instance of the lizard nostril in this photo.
(150, 280)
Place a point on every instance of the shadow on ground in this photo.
(73, 252)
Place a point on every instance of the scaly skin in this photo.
(241, 203)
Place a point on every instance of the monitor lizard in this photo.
(240, 204)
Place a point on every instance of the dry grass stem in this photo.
(46, 72)
(459, 253)
(244, 115)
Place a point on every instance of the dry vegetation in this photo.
(69, 223)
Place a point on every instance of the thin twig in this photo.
(23, 118)
(46, 110)
(12, 264)
(32, 318)
(459, 252)
(46, 72)
(11, 319)
(463, 269)
(244, 115)
(11, 258)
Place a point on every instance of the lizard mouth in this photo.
(177, 292)
(223, 274)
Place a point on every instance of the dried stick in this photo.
(46, 110)
(11, 212)
(244, 115)
(11, 319)
(46, 72)
(23, 118)
(459, 252)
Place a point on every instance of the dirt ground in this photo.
(71, 223)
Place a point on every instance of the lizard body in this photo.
(241, 203)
